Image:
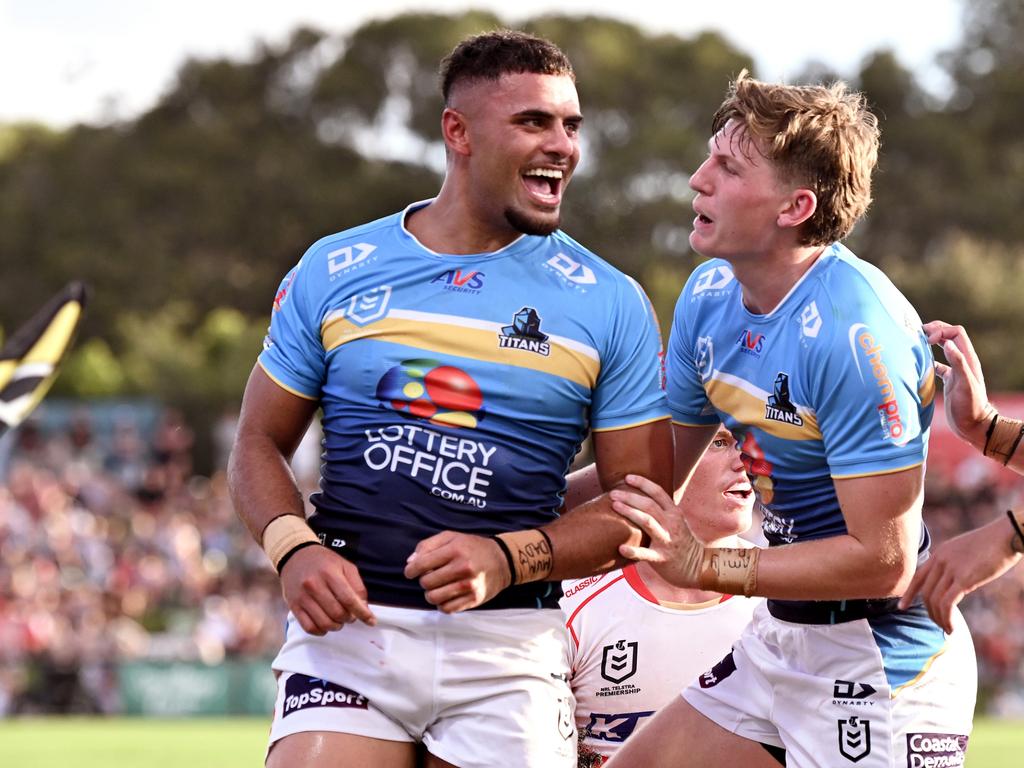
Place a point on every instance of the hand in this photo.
(324, 591)
(674, 553)
(458, 571)
(959, 566)
(968, 410)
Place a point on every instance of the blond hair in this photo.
(821, 137)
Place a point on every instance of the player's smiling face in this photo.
(719, 500)
(523, 135)
(739, 198)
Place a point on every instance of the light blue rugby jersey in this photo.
(456, 390)
(836, 382)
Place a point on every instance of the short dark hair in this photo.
(490, 55)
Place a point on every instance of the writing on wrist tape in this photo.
(284, 536)
(1003, 438)
(732, 571)
(529, 554)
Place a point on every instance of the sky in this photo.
(68, 61)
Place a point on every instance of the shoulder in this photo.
(710, 283)
(351, 246)
(581, 267)
(856, 297)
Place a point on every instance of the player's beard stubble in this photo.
(532, 225)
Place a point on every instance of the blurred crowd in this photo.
(113, 549)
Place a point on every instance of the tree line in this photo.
(183, 219)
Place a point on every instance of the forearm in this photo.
(836, 568)
(586, 539)
(261, 484)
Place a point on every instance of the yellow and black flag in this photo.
(30, 359)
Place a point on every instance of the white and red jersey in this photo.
(630, 654)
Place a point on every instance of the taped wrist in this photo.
(284, 536)
(529, 554)
(732, 571)
(1003, 438)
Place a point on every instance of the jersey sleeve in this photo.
(874, 392)
(293, 353)
(687, 358)
(629, 389)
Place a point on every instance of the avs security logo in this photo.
(344, 260)
(867, 352)
(855, 738)
(712, 281)
(618, 661)
(425, 389)
(461, 282)
(302, 692)
(779, 407)
(453, 468)
(573, 272)
(751, 343)
(524, 333)
(936, 750)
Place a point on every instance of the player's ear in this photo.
(455, 131)
(799, 207)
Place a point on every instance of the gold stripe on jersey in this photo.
(746, 403)
(477, 341)
(927, 389)
(282, 385)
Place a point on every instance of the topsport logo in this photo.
(425, 389)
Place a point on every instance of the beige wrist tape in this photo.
(529, 554)
(730, 571)
(283, 534)
(1003, 438)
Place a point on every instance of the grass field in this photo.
(239, 743)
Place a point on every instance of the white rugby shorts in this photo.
(891, 691)
(479, 688)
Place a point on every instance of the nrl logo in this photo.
(363, 308)
(618, 662)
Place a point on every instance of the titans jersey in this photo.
(835, 382)
(456, 390)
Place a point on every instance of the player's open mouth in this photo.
(740, 492)
(544, 185)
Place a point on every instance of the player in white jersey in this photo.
(460, 350)
(819, 366)
(637, 640)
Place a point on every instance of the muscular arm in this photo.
(270, 427)
(586, 539)
(322, 589)
(876, 558)
(460, 571)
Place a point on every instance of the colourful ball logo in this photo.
(441, 394)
